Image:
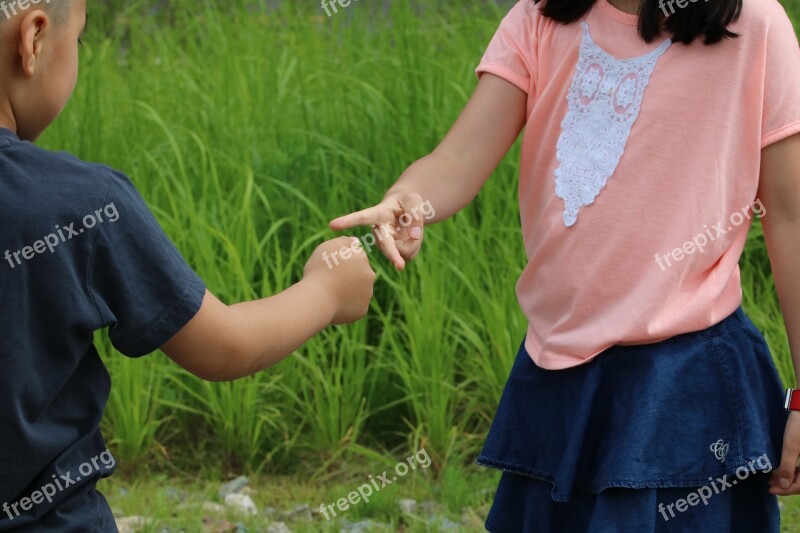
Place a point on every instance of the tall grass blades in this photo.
(247, 126)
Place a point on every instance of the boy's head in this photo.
(38, 61)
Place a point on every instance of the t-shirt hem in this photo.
(781, 134)
(550, 360)
(504, 73)
(560, 362)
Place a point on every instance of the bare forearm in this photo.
(273, 328)
(451, 176)
(223, 343)
(781, 236)
(444, 181)
(779, 192)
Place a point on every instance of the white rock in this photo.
(232, 487)
(278, 527)
(408, 506)
(211, 507)
(301, 512)
(241, 503)
(131, 524)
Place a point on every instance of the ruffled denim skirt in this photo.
(673, 436)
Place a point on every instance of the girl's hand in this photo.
(397, 224)
(785, 480)
(450, 176)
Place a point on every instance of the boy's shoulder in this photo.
(33, 179)
(34, 160)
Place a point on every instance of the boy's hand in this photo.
(788, 469)
(396, 224)
(341, 268)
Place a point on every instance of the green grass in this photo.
(178, 504)
(247, 126)
(246, 131)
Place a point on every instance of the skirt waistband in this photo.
(734, 321)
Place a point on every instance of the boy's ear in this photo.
(32, 30)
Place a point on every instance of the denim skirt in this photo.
(674, 436)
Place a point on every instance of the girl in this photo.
(642, 398)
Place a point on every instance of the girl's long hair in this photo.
(706, 19)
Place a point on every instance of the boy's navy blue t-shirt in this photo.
(79, 251)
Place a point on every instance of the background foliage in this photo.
(247, 126)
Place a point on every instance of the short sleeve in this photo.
(144, 290)
(781, 113)
(511, 54)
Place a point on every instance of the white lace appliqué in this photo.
(603, 103)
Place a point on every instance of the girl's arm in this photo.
(779, 191)
(452, 175)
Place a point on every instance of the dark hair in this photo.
(701, 18)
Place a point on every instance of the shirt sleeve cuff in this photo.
(168, 324)
(507, 74)
(781, 134)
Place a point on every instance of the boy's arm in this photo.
(453, 174)
(223, 343)
(779, 192)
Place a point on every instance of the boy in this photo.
(80, 251)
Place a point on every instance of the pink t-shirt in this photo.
(640, 168)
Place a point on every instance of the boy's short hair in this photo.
(58, 9)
